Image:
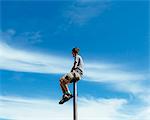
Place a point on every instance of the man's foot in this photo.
(65, 98)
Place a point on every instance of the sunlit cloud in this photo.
(18, 60)
(120, 76)
(10, 36)
(25, 108)
(106, 109)
(27, 61)
(81, 11)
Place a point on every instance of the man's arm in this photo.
(74, 65)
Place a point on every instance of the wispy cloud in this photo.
(135, 90)
(12, 37)
(27, 61)
(18, 60)
(88, 108)
(23, 109)
(82, 11)
(121, 77)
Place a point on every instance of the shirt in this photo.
(79, 62)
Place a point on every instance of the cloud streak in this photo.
(26, 61)
(23, 109)
(18, 60)
(82, 11)
(10, 36)
(106, 109)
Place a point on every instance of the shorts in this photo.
(70, 76)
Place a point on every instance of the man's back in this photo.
(80, 63)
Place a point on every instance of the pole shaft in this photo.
(75, 101)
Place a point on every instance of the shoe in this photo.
(65, 98)
(68, 95)
(62, 101)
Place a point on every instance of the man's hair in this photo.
(75, 50)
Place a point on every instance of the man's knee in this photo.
(62, 81)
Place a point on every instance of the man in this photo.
(75, 75)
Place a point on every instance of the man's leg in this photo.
(64, 86)
(66, 93)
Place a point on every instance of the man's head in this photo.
(75, 51)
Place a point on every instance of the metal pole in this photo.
(75, 101)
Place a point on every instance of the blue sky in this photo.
(36, 39)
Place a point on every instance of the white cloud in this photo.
(10, 36)
(37, 109)
(27, 61)
(82, 11)
(112, 74)
(88, 109)
(107, 109)
(144, 114)
(18, 60)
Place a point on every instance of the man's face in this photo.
(73, 54)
